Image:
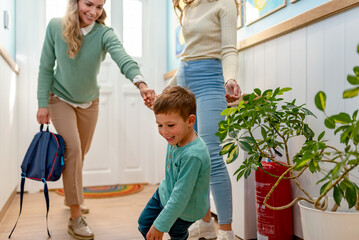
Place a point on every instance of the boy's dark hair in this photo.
(176, 100)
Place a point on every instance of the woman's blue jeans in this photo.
(205, 79)
(178, 231)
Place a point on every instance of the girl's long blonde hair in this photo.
(71, 31)
(178, 8)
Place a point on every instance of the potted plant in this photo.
(263, 120)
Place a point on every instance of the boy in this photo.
(182, 197)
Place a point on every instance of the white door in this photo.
(126, 147)
(126, 142)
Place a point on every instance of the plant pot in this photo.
(328, 225)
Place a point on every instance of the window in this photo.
(132, 27)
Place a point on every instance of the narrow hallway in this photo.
(111, 218)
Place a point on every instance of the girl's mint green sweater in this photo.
(75, 80)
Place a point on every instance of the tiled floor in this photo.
(110, 218)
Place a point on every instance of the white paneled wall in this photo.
(9, 173)
(317, 57)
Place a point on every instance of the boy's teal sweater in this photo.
(75, 80)
(184, 192)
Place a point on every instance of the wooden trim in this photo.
(12, 64)
(7, 205)
(314, 15)
(169, 74)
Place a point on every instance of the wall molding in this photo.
(7, 205)
(319, 13)
(10, 61)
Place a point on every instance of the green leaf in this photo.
(353, 80)
(248, 139)
(329, 123)
(222, 135)
(239, 169)
(308, 112)
(240, 174)
(246, 97)
(320, 100)
(338, 195)
(275, 93)
(344, 185)
(353, 162)
(263, 132)
(237, 126)
(226, 149)
(355, 113)
(321, 136)
(229, 111)
(325, 187)
(245, 146)
(313, 166)
(341, 128)
(342, 118)
(356, 70)
(283, 90)
(247, 172)
(350, 93)
(351, 196)
(258, 91)
(252, 97)
(267, 93)
(233, 154)
(301, 163)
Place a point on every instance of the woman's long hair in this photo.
(177, 7)
(71, 31)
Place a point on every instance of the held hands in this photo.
(154, 234)
(43, 116)
(147, 94)
(233, 91)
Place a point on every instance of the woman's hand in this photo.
(43, 116)
(147, 94)
(233, 91)
(154, 234)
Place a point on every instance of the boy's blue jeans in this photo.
(205, 79)
(179, 230)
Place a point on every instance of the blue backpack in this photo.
(44, 161)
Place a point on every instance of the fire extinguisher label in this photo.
(266, 222)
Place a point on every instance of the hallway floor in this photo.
(110, 218)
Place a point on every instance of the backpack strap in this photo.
(46, 193)
(43, 152)
(21, 198)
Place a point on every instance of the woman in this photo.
(209, 67)
(68, 96)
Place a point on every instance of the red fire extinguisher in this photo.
(273, 224)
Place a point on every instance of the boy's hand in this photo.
(147, 94)
(154, 234)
